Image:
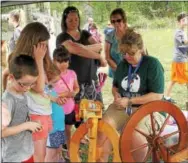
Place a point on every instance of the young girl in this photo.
(67, 87)
(33, 41)
(56, 138)
(95, 33)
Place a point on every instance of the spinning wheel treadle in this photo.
(155, 145)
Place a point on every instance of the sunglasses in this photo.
(116, 21)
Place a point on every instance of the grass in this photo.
(160, 44)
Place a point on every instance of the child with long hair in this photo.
(56, 138)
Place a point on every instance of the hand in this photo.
(65, 94)
(61, 100)
(33, 126)
(122, 102)
(39, 51)
(116, 96)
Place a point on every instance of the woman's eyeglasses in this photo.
(114, 21)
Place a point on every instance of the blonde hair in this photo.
(131, 37)
(19, 16)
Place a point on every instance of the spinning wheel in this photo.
(155, 146)
(91, 111)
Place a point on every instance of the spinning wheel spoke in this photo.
(140, 147)
(153, 123)
(169, 135)
(164, 124)
(148, 154)
(142, 133)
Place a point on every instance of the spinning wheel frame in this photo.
(156, 106)
(83, 129)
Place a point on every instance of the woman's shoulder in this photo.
(151, 61)
(111, 33)
(62, 35)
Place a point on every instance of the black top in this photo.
(85, 68)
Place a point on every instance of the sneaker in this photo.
(169, 100)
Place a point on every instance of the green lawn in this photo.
(159, 44)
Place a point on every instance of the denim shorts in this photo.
(56, 139)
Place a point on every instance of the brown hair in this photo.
(119, 11)
(15, 15)
(53, 72)
(31, 35)
(66, 11)
(61, 54)
(23, 65)
(132, 38)
(181, 16)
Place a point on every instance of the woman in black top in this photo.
(84, 59)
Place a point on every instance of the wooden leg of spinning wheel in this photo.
(187, 98)
(93, 140)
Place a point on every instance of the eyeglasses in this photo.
(23, 85)
(114, 21)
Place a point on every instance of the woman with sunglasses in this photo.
(113, 56)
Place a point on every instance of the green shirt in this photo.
(148, 78)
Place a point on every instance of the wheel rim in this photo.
(79, 134)
(155, 140)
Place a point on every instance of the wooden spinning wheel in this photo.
(155, 146)
(91, 111)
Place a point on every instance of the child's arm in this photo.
(5, 77)
(39, 53)
(13, 130)
(6, 117)
(52, 98)
(185, 42)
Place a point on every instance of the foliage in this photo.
(143, 14)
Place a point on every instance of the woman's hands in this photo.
(122, 102)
